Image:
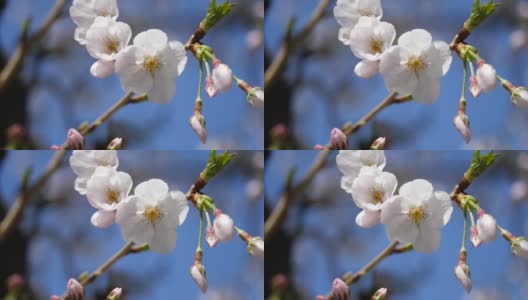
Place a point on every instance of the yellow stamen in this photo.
(112, 196)
(415, 64)
(377, 197)
(376, 46)
(152, 214)
(151, 64)
(416, 214)
(112, 46)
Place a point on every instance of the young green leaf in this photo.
(480, 164)
(479, 13)
(216, 163)
(215, 13)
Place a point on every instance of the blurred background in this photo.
(56, 241)
(320, 240)
(319, 90)
(55, 90)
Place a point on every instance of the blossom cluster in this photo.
(413, 66)
(150, 215)
(149, 66)
(416, 214)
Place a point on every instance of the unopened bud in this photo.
(486, 227)
(75, 139)
(75, 290)
(520, 247)
(210, 87)
(279, 282)
(222, 76)
(320, 297)
(318, 147)
(15, 132)
(55, 297)
(199, 127)
(474, 88)
(380, 294)
(464, 276)
(210, 236)
(474, 237)
(340, 290)
(461, 122)
(199, 276)
(256, 246)
(378, 144)
(338, 139)
(256, 97)
(520, 97)
(115, 294)
(279, 132)
(486, 77)
(224, 227)
(115, 144)
(15, 282)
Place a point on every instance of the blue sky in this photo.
(232, 122)
(229, 266)
(493, 267)
(495, 122)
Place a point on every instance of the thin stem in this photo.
(208, 218)
(200, 84)
(464, 84)
(107, 264)
(464, 233)
(471, 69)
(200, 232)
(472, 219)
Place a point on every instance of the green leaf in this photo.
(215, 13)
(216, 163)
(479, 13)
(480, 164)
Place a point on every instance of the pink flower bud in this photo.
(75, 290)
(340, 290)
(75, 139)
(461, 122)
(486, 77)
(518, 39)
(378, 144)
(474, 237)
(486, 227)
(256, 247)
(520, 247)
(15, 132)
(318, 147)
(210, 87)
(279, 282)
(222, 76)
(254, 39)
(199, 276)
(15, 282)
(55, 297)
(520, 97)
(210, 237)
(380, 294)
(224, 227)
(474, 88)
(463, 275)
(320, 297)
(102, 69)
(115, 294)
(115, 144)
(256, 97)
(338, 139)
(199, 127)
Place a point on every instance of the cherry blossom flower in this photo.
(417, 215)
(486, 77)
(224, 227)
(74, 290)
(152, 215)
(84, 163)
(340, 290)
(520, 247)
(520, 97)
(105, 190)
(84, 13)
(486, 227)
(464, 276)
(151, 65)
(370, 190)
(348, 12)
(368, 40)
(104, 39)
(256, 97)
(416, 65)
(222, 76)
(256, 246)
(338, 139)
(350, 163)
(199, 276)
(462, 125)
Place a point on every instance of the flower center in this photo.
(365, 12)
(415, 64)
(416, 214)
(112, 45)
(376, 46)
(151, 64)
(152, 214)
(112, 196)
(377, 197)
(103, 13)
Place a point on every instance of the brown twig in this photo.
(127, 248)
(279, 61)
(27, 44)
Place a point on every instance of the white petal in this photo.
(387, 33)
(427, 90)
(133, 226)
(179, 54)
(80, 185)
(366, 69)
(399, 227)
(163, 89)
(417, 191)
(151, 40)
(427, 240)
(134, 78)
(367, 219)
(373, 158)
(397, 77)
(441, 207)
(415, 41)
(389, 182)
(82, 162)
(153, 190)
(346, 183)
(445, 54)
(102, 69)
(349, 163)
(182, 207)
(103, 219)
(343, 35)
(163, 240)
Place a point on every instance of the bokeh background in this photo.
(56, 241)
(55, 90)
(320, 241)
(319, 90)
